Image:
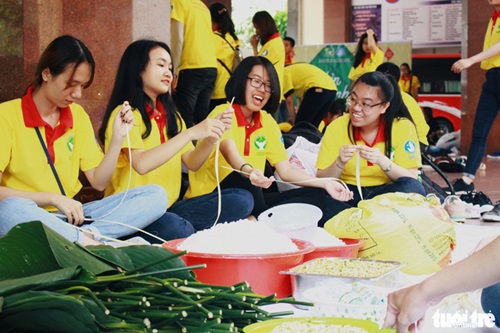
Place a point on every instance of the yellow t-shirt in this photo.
(22, 159)
(405, 151)
(491, 37)
(198, 51)
(404, 85)
(300, 77)
(257, 144)
(168, 175)
(274, 51)
(417, 116)
(369, 65)
(225, 53)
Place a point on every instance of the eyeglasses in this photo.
(364, 106)
(256, 83)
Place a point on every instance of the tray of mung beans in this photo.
(332, 271)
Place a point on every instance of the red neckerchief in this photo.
(249, 128)
(32, 118)
(380, 137)
(366, 58)
(494, 18)
(273, 36)
(160, 117)
(288, 60)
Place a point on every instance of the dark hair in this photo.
(338, 107)
(220, 15)
(360, 54)
(266, 24)
(63, 52)
(128, 86)
(236, 86)
(388, 92)
(391, 69)
(407, 66)
(291, 40)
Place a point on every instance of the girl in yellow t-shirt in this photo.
(379, 131)
(226, 42)
(408, 82)
(253, 140)
(160, 144)
(368, 55)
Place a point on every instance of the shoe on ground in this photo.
(460, 187)
(472, 211)
(495, 155)
(493, 215)
(455, 208)
(467, 197)
(483, 201)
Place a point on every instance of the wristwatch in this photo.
(389, 167)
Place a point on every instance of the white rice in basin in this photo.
(240, 237)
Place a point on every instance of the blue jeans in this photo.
(490, 301)
(187, 216)
(141, 207)
(193, 92)
(486, 112)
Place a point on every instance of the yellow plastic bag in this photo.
(404, 227)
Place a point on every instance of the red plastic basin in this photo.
(260, 271)
(350, 250)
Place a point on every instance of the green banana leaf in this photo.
(32, 248)
(46, 312)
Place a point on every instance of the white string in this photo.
(358, 174)
(216, 166)
(297, 182)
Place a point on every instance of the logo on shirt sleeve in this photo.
(265, 53)
(260, 142)
(410, 147)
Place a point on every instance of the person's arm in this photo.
(290, 107)
(231, 154)
(177, 38)
(100, 176)
(254, 41)
(346, 153)
(490, 52)
(372, 44)
(290, 174)
(391, 169)
(408, 306)
(194, 158)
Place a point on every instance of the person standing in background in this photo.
(408, 82)
(368, 55)
(225, 41)
(316, 89)
(194, 51)
(489, 100)
(272, 45)
(289, 44)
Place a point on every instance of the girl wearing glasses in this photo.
(255, 139)
(379, 131)
(160, 143)
(368, 55)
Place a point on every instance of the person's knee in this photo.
(158, 193)
(243, 199)
(410, 185)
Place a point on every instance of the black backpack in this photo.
(304, 129)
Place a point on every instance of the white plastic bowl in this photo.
(295, 220)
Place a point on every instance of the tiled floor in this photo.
(487, 181)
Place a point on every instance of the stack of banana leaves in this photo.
(48, 284)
